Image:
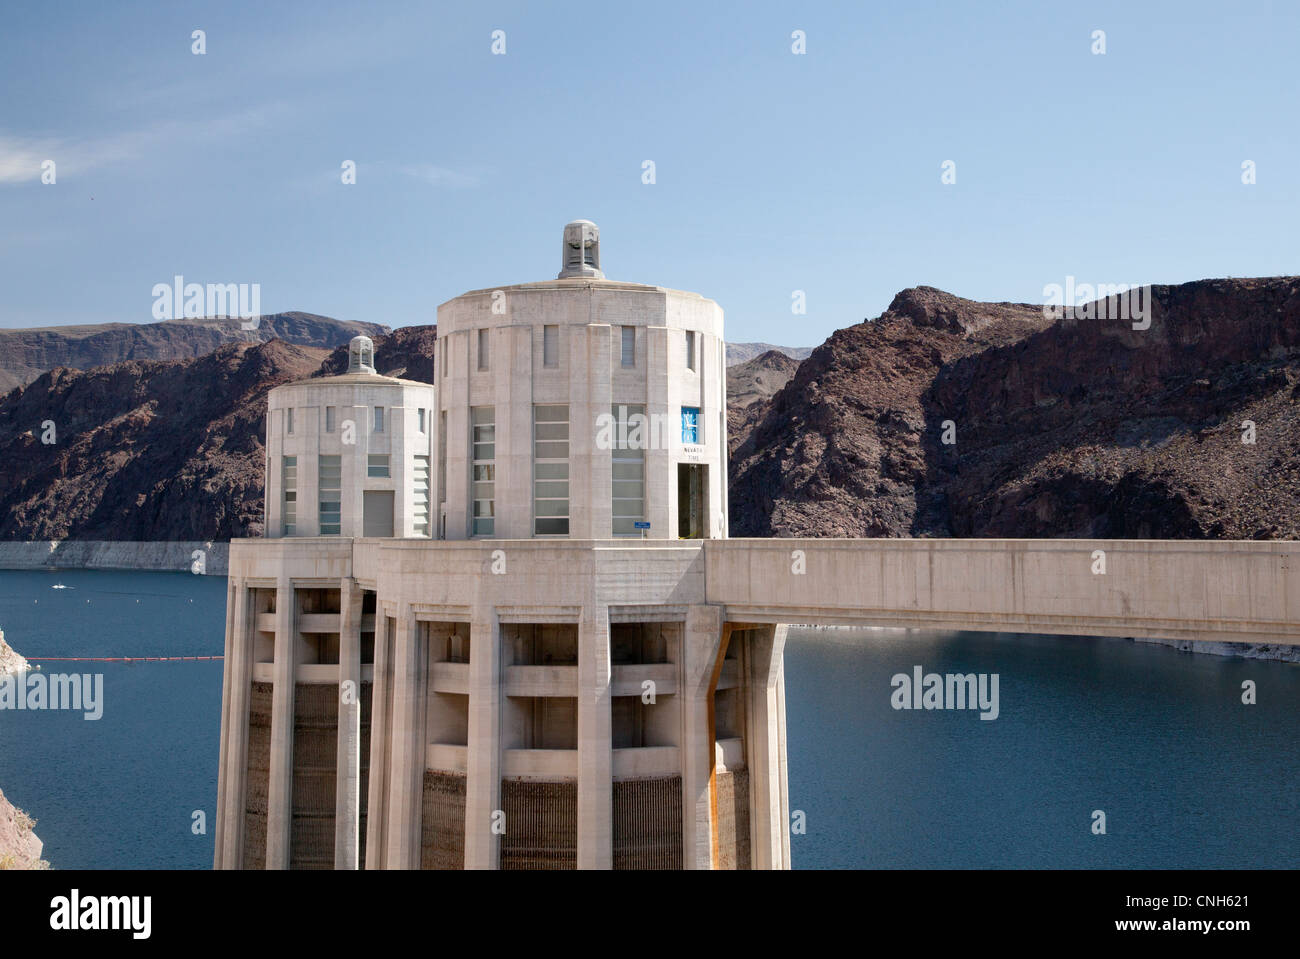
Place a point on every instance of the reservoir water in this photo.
(1157, 740)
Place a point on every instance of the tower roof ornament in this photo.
(361, 355)
(581, 252)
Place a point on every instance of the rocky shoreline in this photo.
(20, 848)
(150, 555)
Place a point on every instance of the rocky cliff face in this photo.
(19, 846)
(1081, 427)
(750, 386)
(161, 450)
(26, 354)
(143, 450)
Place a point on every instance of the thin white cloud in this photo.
(437, 176)
(21, 157)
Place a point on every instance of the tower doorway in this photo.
(692, 500)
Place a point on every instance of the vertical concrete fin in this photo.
(347, 809)
(279, 803)
(483, 775)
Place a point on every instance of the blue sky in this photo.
(775, 172)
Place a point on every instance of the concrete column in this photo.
(224, 757)
(483, 779)
(347, 806)
(782, 777)
(234, 741)
(279, 802)
(410, 691)
(702, 653)
(591, 397)
(769, 818)
(514, 431)
(595, 759)
(381, 707)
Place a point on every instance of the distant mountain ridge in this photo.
(1059, 428)
(27, 353)
(738, 353)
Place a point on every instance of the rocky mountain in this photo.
(750, 385)
(144, 449)
(1087, 427)
(26, 354)
(738, 353)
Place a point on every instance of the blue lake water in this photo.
(1158, 740)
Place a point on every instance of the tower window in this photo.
(379, 419)
(550, 346)
(550, 470)
(420, 500)
(690, 350)
(629, 347)
(420, 415)
(482, 349)
(330, 486)
(289, 485)
(690, 424)
(628, 496)
(377, 465)
(329, 419)
(483, 466)
(288, 420)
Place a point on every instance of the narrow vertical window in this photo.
(420, 489)
(550, 346)
(483, 460)
(379, 419)
(288, 420)
(442, 458)
(420, 415)
(289, 486)
(330, 486)
(690, 350)
(630, 438)
(482, 349)
(329, 419)
(629, 347)
(550, 470)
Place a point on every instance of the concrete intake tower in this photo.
(477, 632)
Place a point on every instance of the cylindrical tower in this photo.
(350, 455)
(582, 407)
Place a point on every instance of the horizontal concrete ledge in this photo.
(540, 763)
(318, 623)
(449, 678)
(311, 674)
(646, 762)
(149, 556)
(729, 755)
(442, 757)
(978, 621)
(541, 681)
(629, 680)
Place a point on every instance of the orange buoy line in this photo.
(121, 659)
